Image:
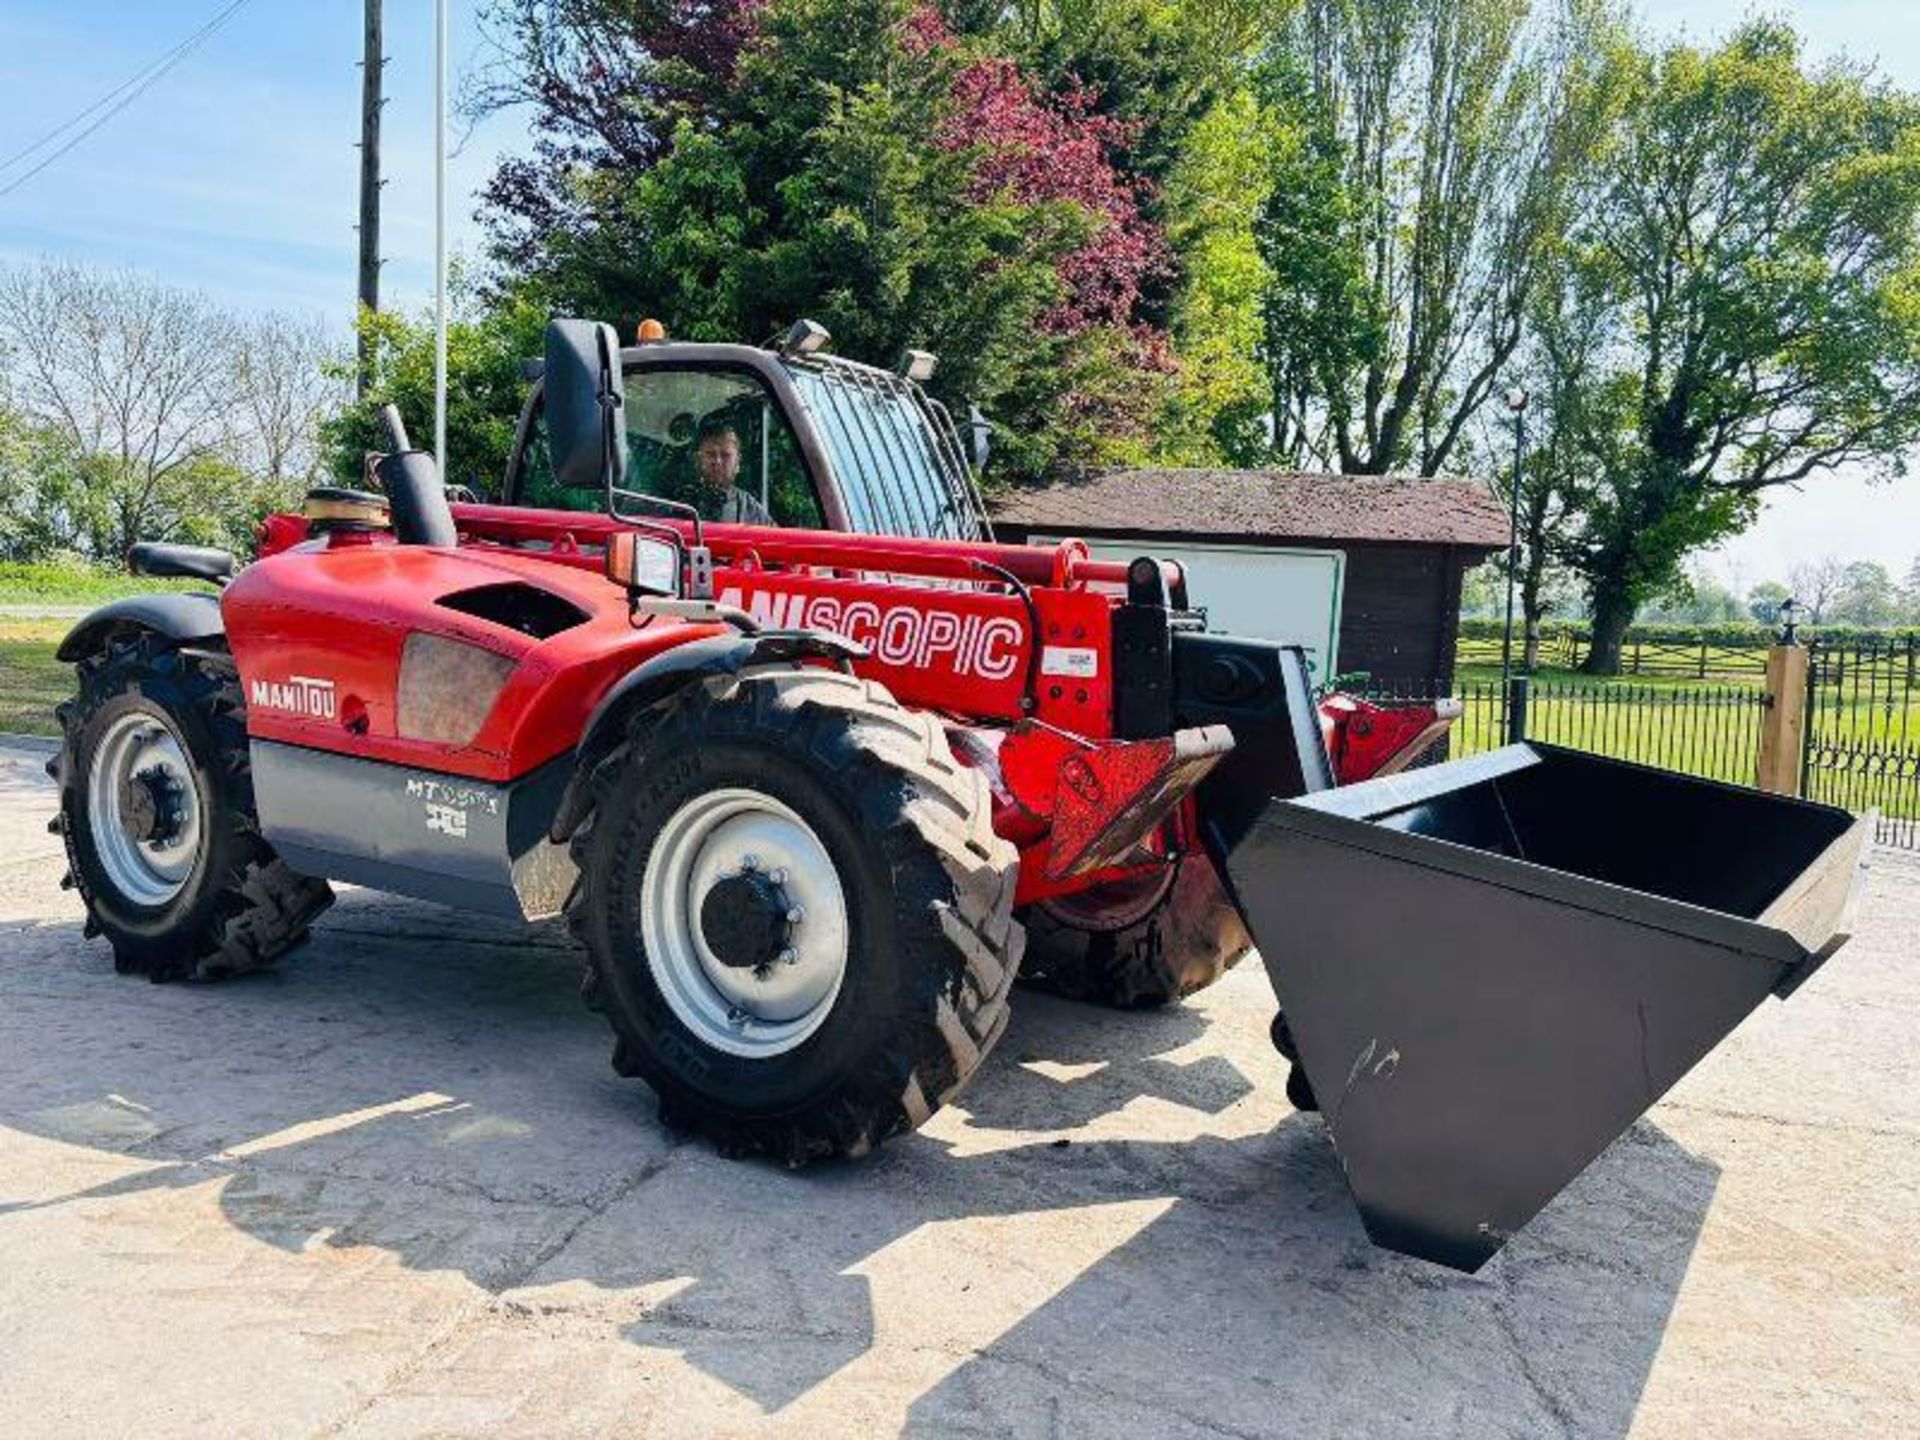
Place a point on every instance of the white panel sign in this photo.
(1291, 597)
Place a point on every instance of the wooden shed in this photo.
(1397, 549)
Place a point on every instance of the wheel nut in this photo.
(795, 915)
(737, 1018)
(749, 862)
(779, 877)
(789, 956)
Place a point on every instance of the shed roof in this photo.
(1271, 505)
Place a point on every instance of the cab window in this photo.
(711, 439)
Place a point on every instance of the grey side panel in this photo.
(183, 617)
(413, 832)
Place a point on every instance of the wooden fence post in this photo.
(1783, 728)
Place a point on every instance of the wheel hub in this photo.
(152, 806)
(143, 808)
(745, 921)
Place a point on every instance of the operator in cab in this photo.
(716, 465)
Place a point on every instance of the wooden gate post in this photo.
(1783, 727)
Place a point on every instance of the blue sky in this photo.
(237, 172)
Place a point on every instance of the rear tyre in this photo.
(156, 806)
(1137, 943)
(797, 916)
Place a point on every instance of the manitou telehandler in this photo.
(796, 784)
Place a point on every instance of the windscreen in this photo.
(893, 449)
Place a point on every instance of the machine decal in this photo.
(305, 695)
(1075, 662)
(987, 646)
(445, 820)
(442, 797)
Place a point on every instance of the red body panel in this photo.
(341, 613)
(319, 630)
(342, 616)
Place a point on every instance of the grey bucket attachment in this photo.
(1493, 966)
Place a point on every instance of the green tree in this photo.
(1765, 599)
(833, 175)
(1868, 596)
(1435, 151)
(1696, 599)
(1216, 189)
(1752, 261)
(487, 347)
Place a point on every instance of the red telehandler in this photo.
(797, 749)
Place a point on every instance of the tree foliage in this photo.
(1748, 277)
(859, 163)
(487, 348)
(1436, 148)
(141, 411)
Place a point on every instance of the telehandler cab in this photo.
(797, 783)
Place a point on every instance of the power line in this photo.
(114, 101)
(167, 59)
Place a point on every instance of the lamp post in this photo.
(1789, 625)
(1516, 399)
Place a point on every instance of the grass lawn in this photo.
(32, 682)
(64, 586)
(1655, 659)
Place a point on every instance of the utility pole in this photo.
(372, 68)
(440, 236)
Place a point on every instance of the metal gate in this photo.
(1862, 747)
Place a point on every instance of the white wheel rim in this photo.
(756, 1013)
(142, 748)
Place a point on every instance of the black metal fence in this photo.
(1863, 734)
(1862, 731)
(1710, 730)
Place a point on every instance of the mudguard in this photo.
(188, 618)
(648, 684)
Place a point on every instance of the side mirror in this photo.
(979, 437)
(585, 405)
(644, 565)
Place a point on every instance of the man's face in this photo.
(717, 458)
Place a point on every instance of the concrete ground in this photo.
(396, 1190)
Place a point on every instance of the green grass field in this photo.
(1869, 741)
(32, 682)
(62, 585)
(1655, 659)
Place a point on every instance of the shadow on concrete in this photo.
(429, 1084)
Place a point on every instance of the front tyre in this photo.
(797, 916)
(156, 805)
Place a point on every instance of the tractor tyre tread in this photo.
(932, 817)
(259, 908)
(1190, 938)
